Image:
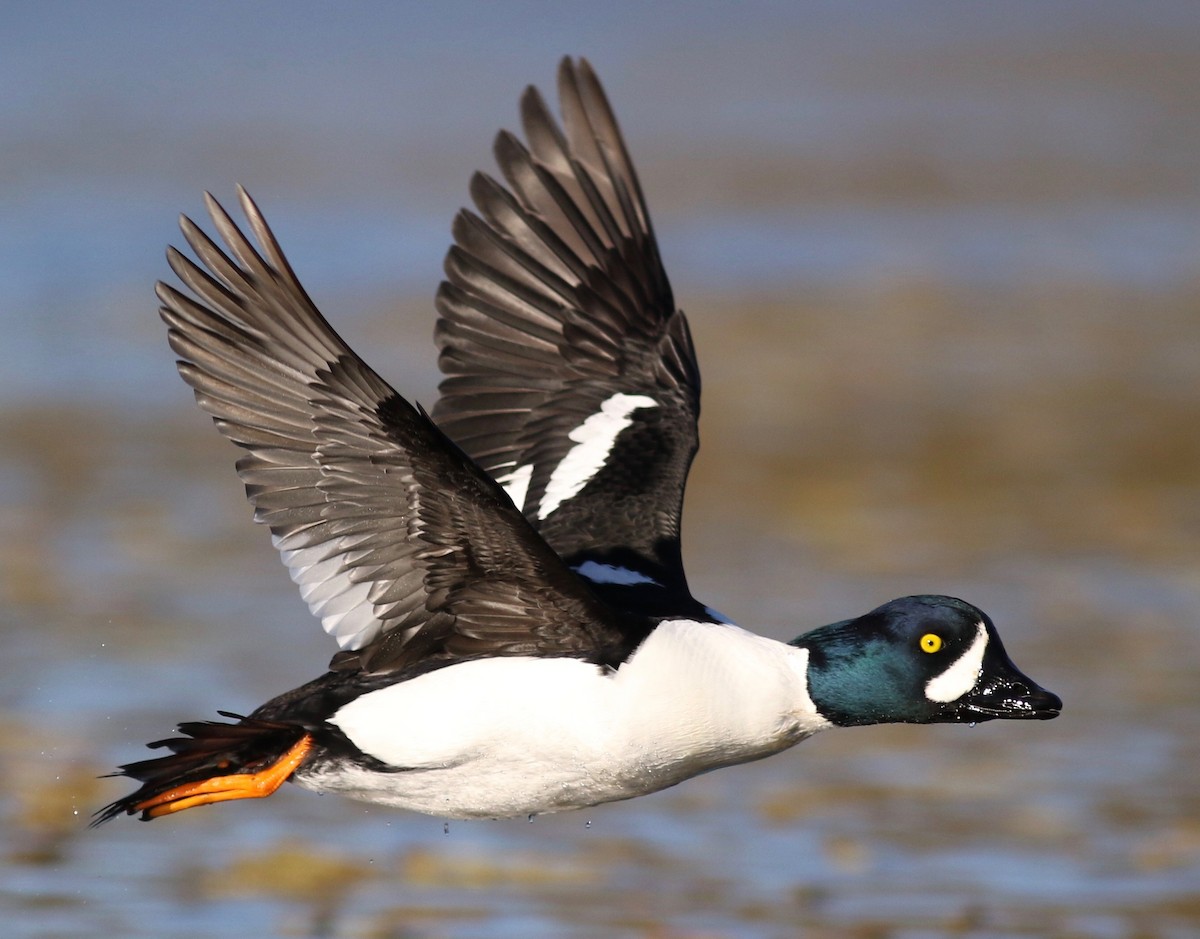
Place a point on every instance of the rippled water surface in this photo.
(943, 267)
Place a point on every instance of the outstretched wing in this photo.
(404, 548)
(569, 373)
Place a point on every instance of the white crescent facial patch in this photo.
(962, 674)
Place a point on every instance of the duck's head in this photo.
(919, 660)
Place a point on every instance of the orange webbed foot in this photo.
(225, 788)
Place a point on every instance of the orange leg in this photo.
(223, 788)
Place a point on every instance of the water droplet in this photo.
(588, 823)
(445, 828)
(530, 819)
(972, 724)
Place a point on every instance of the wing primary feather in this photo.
(563, 252)
(408, 552)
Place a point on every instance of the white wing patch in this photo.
(343, 605)
(516, 484)
(594, 440)
(599, 573)
(962, 674)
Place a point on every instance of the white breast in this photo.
(516, 736)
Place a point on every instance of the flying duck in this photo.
(504, 578)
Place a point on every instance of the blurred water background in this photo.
(942, 262)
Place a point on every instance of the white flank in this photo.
(343, 606)
(594, 440)
(511, 736)
(516, 484)
(960, 677)
(599, 573)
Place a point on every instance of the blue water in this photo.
(357, 129)
(920, 243)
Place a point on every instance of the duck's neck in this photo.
(847, 670)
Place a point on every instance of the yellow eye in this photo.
(931, 642)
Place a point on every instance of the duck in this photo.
(503, 575)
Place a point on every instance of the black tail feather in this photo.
(208, 749)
